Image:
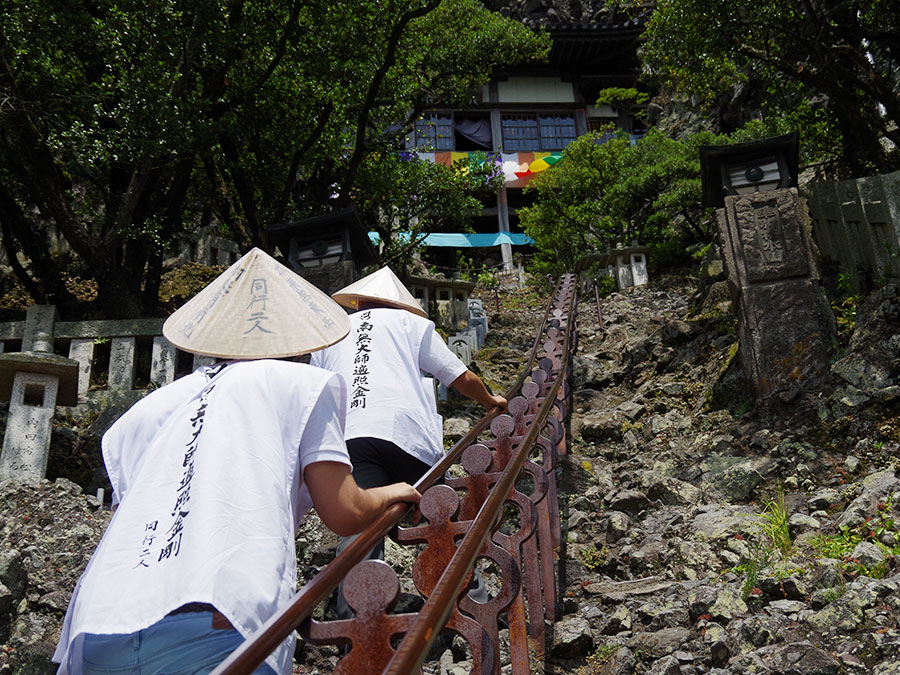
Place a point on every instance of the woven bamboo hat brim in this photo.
(382, 287)
(257, 309)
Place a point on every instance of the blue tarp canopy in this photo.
(462, 240)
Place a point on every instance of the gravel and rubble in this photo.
(675, 496)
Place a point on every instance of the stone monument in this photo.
(785, 325)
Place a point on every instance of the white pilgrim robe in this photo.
(208, 472)
(383, 360)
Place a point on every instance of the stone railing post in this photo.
(162, 365)
(82, 350)
(121, 363)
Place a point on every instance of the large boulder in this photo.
(871, 361)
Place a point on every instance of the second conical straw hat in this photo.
(383, 287)
(257, 309)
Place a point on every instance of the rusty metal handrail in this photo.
(451, 457)
(254, 650)
(414, 647)
(600, 321)
(526, 370)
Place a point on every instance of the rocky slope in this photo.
(678, 556)
(743, 540)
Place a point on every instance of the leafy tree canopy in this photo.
(606, 191)
(124, 126)
(831, 68)
(413, 197)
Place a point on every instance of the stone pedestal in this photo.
(785, 325)
(27, 440)
(33, 383)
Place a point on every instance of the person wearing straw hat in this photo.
(211, 474)
(393, 431)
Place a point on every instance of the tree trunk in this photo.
(116, 296)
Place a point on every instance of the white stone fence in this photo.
(117, 362)
(115, 357)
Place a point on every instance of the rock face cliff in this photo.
(704, 533)
(563, 13)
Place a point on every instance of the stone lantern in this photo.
(748, 168)
(34, 382)
(785, 324)
(328, 250)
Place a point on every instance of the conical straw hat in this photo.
(257, 309)
(383, 287)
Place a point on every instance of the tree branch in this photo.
(374, 86)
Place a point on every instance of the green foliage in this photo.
(761, 556)
(701, 252)
(621, 95)
(594, 662)
(770, 545)
(823, 68)
(397, 193)
(184, 282)
(525, 298)
(877, 530)
(487, 279)
(845, 306)
(14, 298)
(829, 595)
(625, 99)
(568, 217)
(773, 522)
(606, 285)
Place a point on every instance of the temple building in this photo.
(527, 115)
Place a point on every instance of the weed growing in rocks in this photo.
(592, 558)
(772, 546)
(829, 595)
(879, 532)
(773, 522)
(844, 307)
(596, 660)
(759, 560)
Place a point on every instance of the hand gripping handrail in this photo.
(254, 650)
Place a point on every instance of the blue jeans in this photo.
(179, 644)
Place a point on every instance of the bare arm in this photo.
(470, 385)
(343, 506)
